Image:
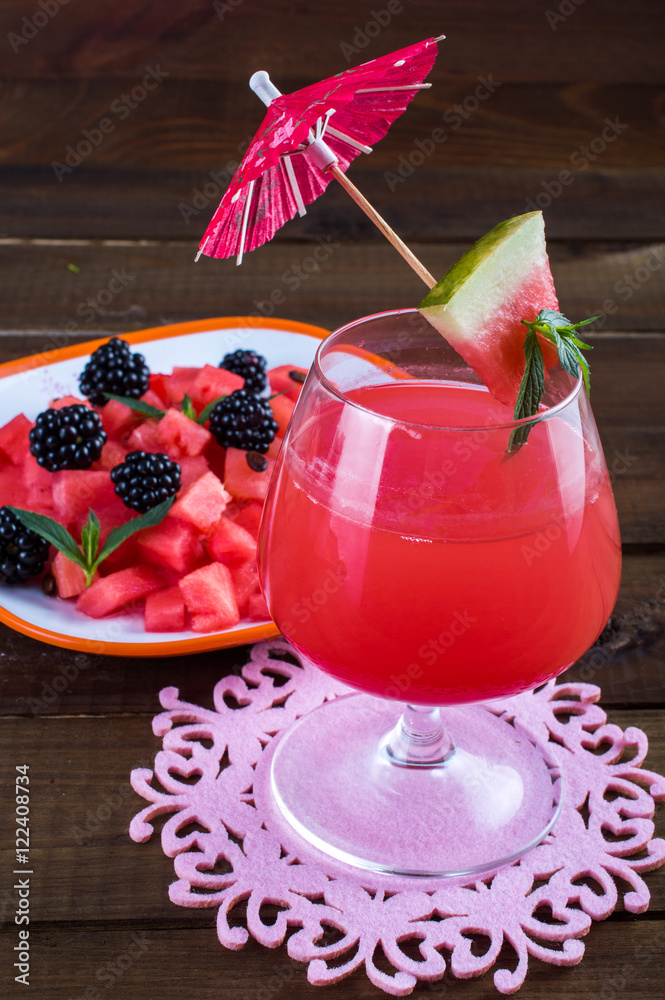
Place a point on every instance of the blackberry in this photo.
(113, 368)
(22, 552)
(143, 480)
(243, 420)
(250, 366)
(70, 438)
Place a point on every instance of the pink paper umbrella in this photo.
(309, 137)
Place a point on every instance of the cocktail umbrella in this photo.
(309, 137)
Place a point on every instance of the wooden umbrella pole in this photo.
(382, 225)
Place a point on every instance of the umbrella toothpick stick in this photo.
(322, 156)
(382, 225)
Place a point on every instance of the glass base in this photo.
(490, 795)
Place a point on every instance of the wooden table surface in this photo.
(576, 89)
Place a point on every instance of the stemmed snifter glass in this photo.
(413, 548)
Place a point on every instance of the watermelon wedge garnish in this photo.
(479, 305)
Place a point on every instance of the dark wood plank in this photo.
(637, 457)
(627, 660)
(431, 204)
(82, 804)
(44, 680)
(198, 124)
(620, 961)
(515, 40)
(162, 284)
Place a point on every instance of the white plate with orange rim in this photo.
(27, 387)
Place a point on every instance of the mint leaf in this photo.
(90, 538)
(556, 328)
(558, 320)
(124, 531)
(187, 407)
(137, 405)
(531, 391)
(52, 532)
(204, 415)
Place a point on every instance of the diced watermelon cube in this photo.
(14, 438)
(245, 583)
(241, 481)
(215, 455)
(13, 490)
(118, 419)
(210, 599)
(234, 507)
(153, 398)
(209, 622)
(202, 504)
(173, 544)
(113, 454)
(212, 382)
(165, 611)
(57, 404)
(144, 437)
(180, 435)
(123, 557)
(192, 467)
(112, 593)
(158, 385)
(39, 485)
(75, 490)
(230, 543)
(280, 380)
(249, 517)
(177, 384)
(282, 408)
(69, 577)
(257, 609)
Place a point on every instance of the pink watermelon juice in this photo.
(445, 575)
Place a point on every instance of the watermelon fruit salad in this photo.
(193, 566)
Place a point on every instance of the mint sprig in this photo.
(187, 407)
(553, 326)
(88, 555)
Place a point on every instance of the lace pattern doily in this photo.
(213, 771)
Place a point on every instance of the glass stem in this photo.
(419, 739)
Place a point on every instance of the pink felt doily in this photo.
(260, 859)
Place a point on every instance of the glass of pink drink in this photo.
(403, 551)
